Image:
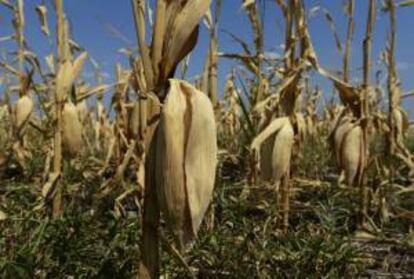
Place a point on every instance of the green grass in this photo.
(92, 240)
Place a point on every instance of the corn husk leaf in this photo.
(77, 65)
(7, 4)
(272, 128)
(406, 3)
(247, 60)
(347, 93)
(183, 33)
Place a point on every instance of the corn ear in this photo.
(186, 160)
(23, 110)
(351, 153)
(281, 154)
(279, 134)
(72, 129)
(401, 121)
(343, 126)
(266, 155)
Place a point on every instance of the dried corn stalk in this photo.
(210, 74)
(278, 136)
(175, 34)
(65, 77)
(231, 113)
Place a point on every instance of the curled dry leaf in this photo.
(49, 187)
(182, 33)
(42, 13)
(247, 3)
(349, 95)
(186, 159)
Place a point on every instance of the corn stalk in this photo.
(349, 35)
(22, 113)
(213, 66)
(58, 108)
(175, 34)
(149, 263)
(365, 110)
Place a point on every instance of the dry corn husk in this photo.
(343, 126)
(67, 74)
(347, 140)
(72, 129)
(186, 160)
(265, 166)
(278, 134)
(351, 156)
(282, 151)
(23, 110)
(401, 121)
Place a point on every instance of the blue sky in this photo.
(94, 23)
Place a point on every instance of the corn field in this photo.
(265, 163)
